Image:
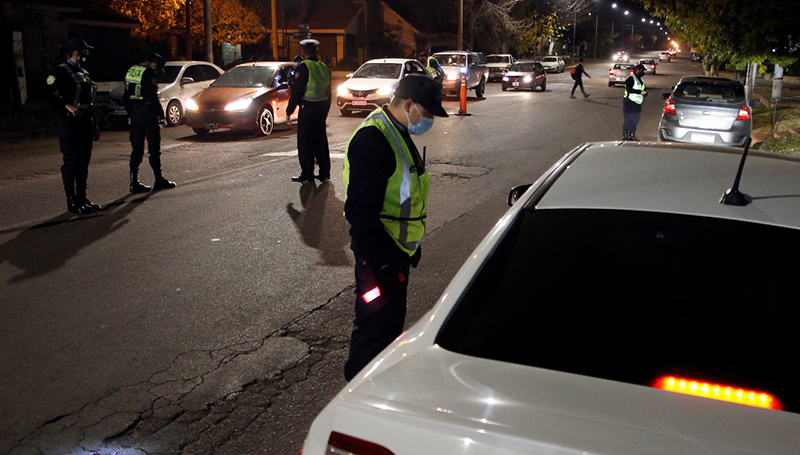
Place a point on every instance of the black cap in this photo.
(639, 67)
(77, 44)
(422, 90)
(156, 58)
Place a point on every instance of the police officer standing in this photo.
(632, 103)
(385, 208)
(432, 65)
(70, 90)
(145, 113)
(311, 91)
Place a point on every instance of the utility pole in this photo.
(596, 24)
(574, 27)
(460, 25)
(188, 30)
(207, 21)
(274, 31)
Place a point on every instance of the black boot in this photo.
(162, 184)
(633, 136)
(75, 206)
(137, 187)
(626, 136)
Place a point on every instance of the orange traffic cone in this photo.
(462, 95)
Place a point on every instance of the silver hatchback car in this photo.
(707, 110)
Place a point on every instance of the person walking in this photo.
(432, 65)
(577, 74)
(386, 200)
(145, 113)
(311, 91)
(632, 103)
(72, 92)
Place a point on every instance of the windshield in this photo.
(379, 71)
(522, 67)
(452, 59)
(246, 76)
(632, 296)
(497, 59)
(169, 74)
(710, 92)
(549, 59)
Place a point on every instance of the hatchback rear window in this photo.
(710, 92)
(633, 296)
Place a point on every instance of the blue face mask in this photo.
(422, 126)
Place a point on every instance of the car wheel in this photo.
(266, 121)
(504, 88)
(610, 84)
(480, 88)
(200, 131)
(174, 113)
(544, 85)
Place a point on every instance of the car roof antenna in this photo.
(733, 196)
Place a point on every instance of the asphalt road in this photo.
(215, 317)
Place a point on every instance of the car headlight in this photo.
(239, 105)
(191, 105)
(385, 90)
(453, 76)
(527, 78)
(505, 78)
(342, 90)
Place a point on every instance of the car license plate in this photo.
(706, 138)
(360, 102)
(212, 126)
(515, 84)
(120, 112)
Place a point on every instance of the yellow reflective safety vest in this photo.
(433, 71)
(134, 77)
(638, 84)
(405, 203)
(319, 79)
(81, 80)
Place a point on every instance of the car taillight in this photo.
(744, 114)
(719, 392)
(342, 444)
(669, 107)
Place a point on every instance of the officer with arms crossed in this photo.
(70, 90)
(141, 100)
(632, 103)
(385, 208)
(311, 90)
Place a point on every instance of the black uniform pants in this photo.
(630, 112)
(312, 139)
(75, 139)
(144, 125)
(376, 323)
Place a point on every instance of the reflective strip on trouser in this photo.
(81, 79)
(638, 84)
(134, 77)
(318, 81)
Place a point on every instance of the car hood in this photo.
(447, 401)
(369, 84)
(217, 96)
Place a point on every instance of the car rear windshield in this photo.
(710, 92)
(246, 76)
(632, 296)
(624, 66)
(379, 71)
(524, 67)
(498, 59)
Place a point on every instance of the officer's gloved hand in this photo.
(389, 281)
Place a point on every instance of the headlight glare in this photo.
(239, 105)
(385, 90)
(527, 78)
(191, 105)
(342, 90)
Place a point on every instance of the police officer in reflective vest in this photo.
(311, 91)
(144, 110)
(70, 90)
(632, 103)
(432, 65)
(386, 203)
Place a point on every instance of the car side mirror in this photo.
(665, 95)
(754, 103)
(349, 75)
(517, 192)
(186, 80)
(472, 65)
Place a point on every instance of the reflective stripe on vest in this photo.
(405, 203)
(432, 70)
(318, 81)
(638, 84)
(134, 76)
(81, 79)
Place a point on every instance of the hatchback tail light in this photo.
(610, 72)
(744, 114)
(719, 392)
(342, 444)
(669, 107)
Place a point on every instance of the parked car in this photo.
(525, 74)
(251, 96)
(664, 56)
(619, 73)
(453, 63)
(617, 308)
(707, 110)
(373, 84)
(649, 64)
(621, 56)
(115, 114)
(553, 63)
(498, 64)
(697, 57)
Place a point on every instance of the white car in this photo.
(180, 81)
(553, 63)
(373, 84)
(618, 308)
(498, 64)
(664, 56)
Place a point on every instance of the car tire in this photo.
(174, 113)
(480, 88)
(200, 131)
(504, 88)
(266, 121)
(610, 84)
(544, 85)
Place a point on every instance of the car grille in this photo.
(362, 93)
(513, 78)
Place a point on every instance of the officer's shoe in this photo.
(73, 206)
(163, 184)
(91, 207)
(138, 187)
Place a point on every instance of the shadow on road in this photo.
(238, 136)
(321, 224)
(46, 247)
